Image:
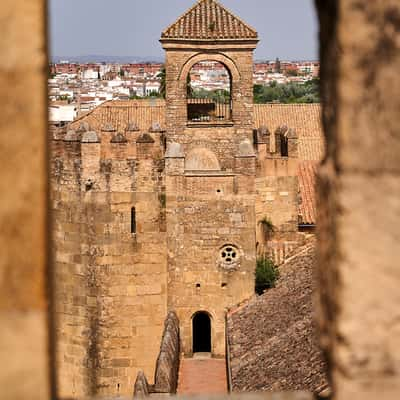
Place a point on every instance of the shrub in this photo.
(266, 274)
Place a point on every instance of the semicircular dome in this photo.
(202, 159)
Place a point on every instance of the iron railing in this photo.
(209, 110)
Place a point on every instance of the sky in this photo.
(287, 28)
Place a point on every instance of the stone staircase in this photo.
(202, 375)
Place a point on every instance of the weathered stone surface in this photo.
(24, 319)
(272, 338)
(174, 150)
(119, 138)
(132, 127)
(72, 136)
(83, 127)
(107, 302)
(201, 159)
(359, 211)
(167, 367)
(145, 138)
(246, 149)
(108, 127)
(90, 137)
(141, 388)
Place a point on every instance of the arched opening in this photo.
(209, 92)
(201, 328)
(284, 145)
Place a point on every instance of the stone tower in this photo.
(210, 176)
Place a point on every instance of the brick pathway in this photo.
(202, 376)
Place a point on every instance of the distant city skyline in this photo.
(125, 28)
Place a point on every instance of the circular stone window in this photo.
(229, 257)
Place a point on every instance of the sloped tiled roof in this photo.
(273, 339)
(209, 20)
(307, 171)
(143, 113)
(305, 119)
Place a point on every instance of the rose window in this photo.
(229, 257)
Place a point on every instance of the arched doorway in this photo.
(201, 328)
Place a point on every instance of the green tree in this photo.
(162, 75)
(266, 275)
(288, 93)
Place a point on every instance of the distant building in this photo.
(62, 113)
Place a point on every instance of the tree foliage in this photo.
(162, 75)
(307, 92)
(219, 95)
(266, 274)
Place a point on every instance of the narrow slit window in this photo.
(133, 220)
(284, 146)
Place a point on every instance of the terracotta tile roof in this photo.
(143, 113)
(307, 171)
(209, 20)
(272, 338)
(305, 119)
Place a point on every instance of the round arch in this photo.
(202, 332)
(221, 58)
(201, 159)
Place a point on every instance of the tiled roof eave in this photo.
(176, 40)
(209, 18)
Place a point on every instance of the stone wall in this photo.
(359, 186)
(25, 339)
(199, 225)
(179, 58)
(111, 284)
(277, 199)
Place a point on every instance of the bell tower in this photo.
(210, 175)
(209, 32)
